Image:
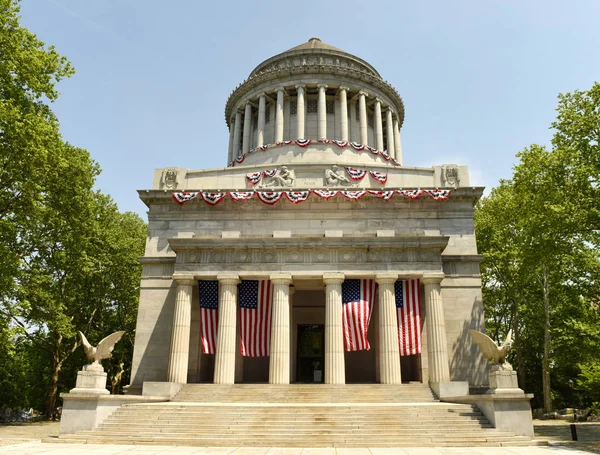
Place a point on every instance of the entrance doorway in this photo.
(311, 354)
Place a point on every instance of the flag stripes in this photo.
(408, 306)
(208, 294)
(256, 297)
(357, 298)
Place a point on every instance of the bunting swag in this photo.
(297, 196)
(325, 194)
(356, 174)
(381, 177)
(357, 299)
(182, 198)
(213, 198)
(256, 298)
(408, 306)
(303, 142)
(241, 195)
(354, 195)
(254, 178)
(324, 141)
(438, 195)
(240, 159)
(208, 293)
(271, 197)
(374, 151)
(386, 195)
(357, 146)
(279, 143)
(269, 172)
(411, 194)
(340, 144)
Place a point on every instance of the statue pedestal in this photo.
(504, 381)
(91, 380)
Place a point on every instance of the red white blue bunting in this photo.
(254, 178)
(356, 174)
(240, 159)
(303, 142)
(264, 147)
(354, 195)
(374, 151)
(381, 177)
(438, 195)
(340, 144)
(411, 194)
(269, 197)
(182, 198)
(324, 141)
(386, 195)
(297, 196)
(241, 195)
(325, 194)
(357, 146)
(269, 172)
(213, 198)
(279, 143)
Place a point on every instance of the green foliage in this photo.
(538, 233)
(68, 258)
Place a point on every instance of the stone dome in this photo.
(313, 91)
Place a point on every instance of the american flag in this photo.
(255, 317)
(357, 298)
(208, 292)
(408, 305)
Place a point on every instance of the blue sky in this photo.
(479, 78)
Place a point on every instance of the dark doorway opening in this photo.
(310, 360)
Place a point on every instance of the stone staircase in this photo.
(300, 415)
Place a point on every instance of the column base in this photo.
(449, 389)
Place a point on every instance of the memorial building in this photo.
(313, 255)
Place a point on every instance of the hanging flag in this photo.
(241, 195)
(438, 195)
(208, 292)
(357, 298)
(256, 297)
(381, 177)
(297, 196)
(325, 194)
(408, 305)
(356, 174)
(182, 198)
(213, 198)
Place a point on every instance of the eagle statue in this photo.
(104, 348)
(491, 351)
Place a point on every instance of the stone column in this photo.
(247, 127)
(343, 113)
(279, 115)
(260, 131)
(362, 113)
(389, 129)
(322, 112)
(334, 337)
(279, 361)
(353, 129)
(300, 112)
(231, 133)
(437, 346)
(227, 342)
(397, 143)
(378, 126)
(180, 333)
(237, 131)
(389, 350)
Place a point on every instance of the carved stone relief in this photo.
(450, 175)
(333, 177)
(284, 177)
(169, 179)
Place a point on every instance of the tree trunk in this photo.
(53, 385)
(546, 359)
(518, 348)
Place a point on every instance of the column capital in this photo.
(300, 86)
(184, 278)
(377, 100)
(281, 278)
(262, 95)
(280, 89)
(322, 86)
(432, 278)
(386, 278)
(389, 109)
(363, 93)
(228, 278)
(341, 87)
(333, 278)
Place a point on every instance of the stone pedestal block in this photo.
(504, 381)
(92, 379)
